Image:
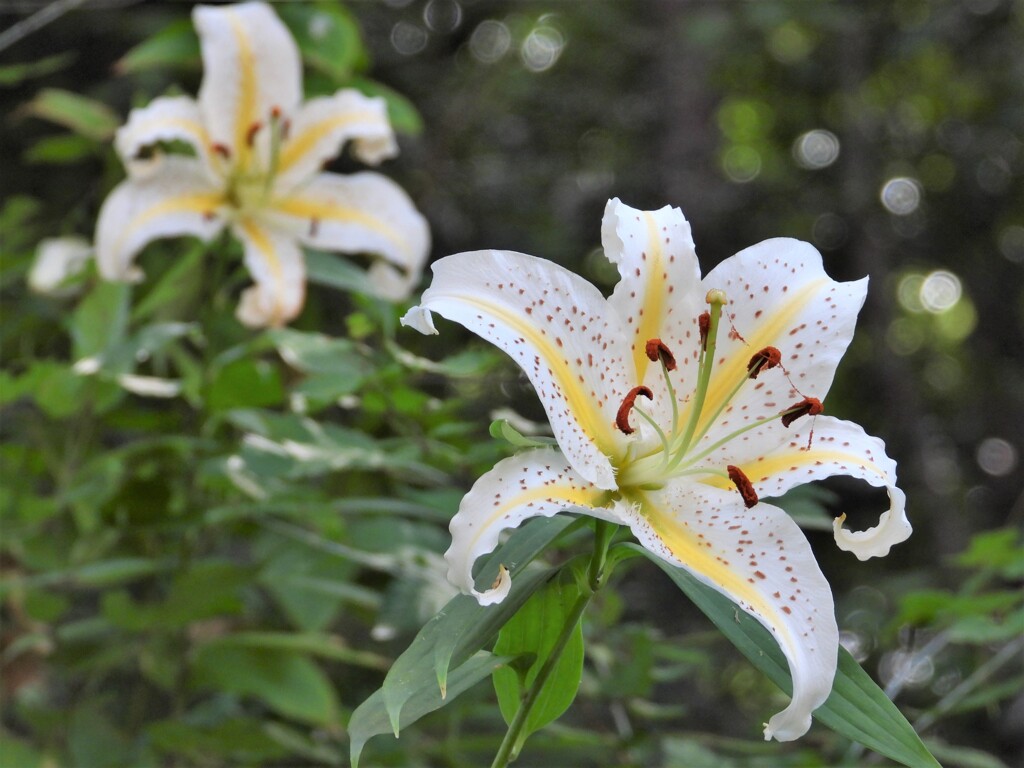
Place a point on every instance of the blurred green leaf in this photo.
(60, 150)
(336, 271)
(245, 383)
(100, 321)
(286, 681)
(328, 37)
(16, 74)
(310, 643)
(236, 741)
(176, 45)
(80, 114)
(528, 637)
(857, 708)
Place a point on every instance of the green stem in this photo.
(596, 576)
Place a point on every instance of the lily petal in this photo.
(361, 213)
(557, 327)
(250, 66)
(322, 126)
(57, 260)
(177, 198)
(658, 294)
(759, 558)
(836, 448)
(537, 483)
(778, 295)
(278, 267)
(168, 118)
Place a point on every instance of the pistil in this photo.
(716, 298)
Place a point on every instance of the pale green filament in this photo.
(704, 366)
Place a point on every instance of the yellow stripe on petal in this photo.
(652, 321)
(728, 373)
(312, 210)
(299, 145)
(700, 557)
(258, 238)
(582, 404)
(245, 116)
(204, 204)
(761, 470)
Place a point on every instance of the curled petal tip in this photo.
(420, 319)
(893, 528)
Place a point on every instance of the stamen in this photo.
(222, 150)
(314, 226)
(656, 350)
(622, 417)
(769, 357)
(250, 135)
(743, 485)
(704, 323)
(809, 406)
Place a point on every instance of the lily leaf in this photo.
(857, 708)
(435, 659)
(503, 430)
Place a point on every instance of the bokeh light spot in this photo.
(442, 16)
(741, 163)
(1011, 243)
(490, 41)
(816, 149)
(908, 292)
(901, 195)
(996, 456)
(940, 291)
(408, 39)
(541, 48)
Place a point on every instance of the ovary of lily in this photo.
(677, 403)
(258, 153)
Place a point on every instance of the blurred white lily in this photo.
(256, 169)
(57, 260)
(731, 370)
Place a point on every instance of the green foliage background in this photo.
(222, 577)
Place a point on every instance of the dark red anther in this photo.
(286, 127)
(250, 135)
(743, 485)
(704, 323)
(809, 406)
(275, 113)
(769, 357)
(656, 350)
(222, 150)
(622, 417)
(314, 227)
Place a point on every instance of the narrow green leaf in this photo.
(314, 643)
(15, 74)
(60, 150)
(503, 430)
(371, 718)
(532, 633)
(176, 45)
(80, 114)
(433, 661)
(857, 708)
(336, 272)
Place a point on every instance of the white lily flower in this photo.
(732, 369)
(57, 260)
(258, 154)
